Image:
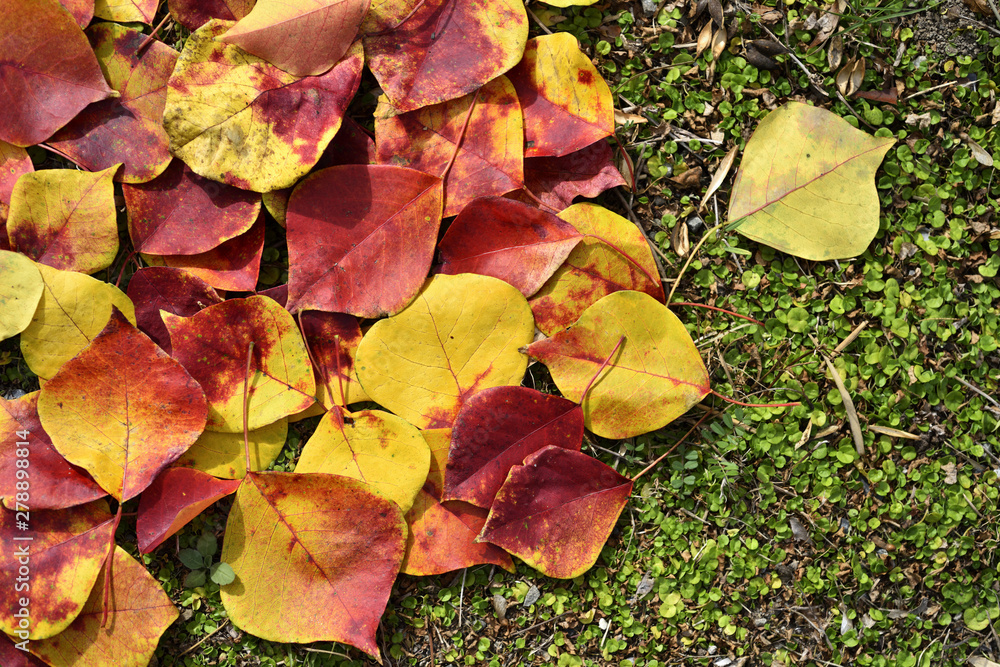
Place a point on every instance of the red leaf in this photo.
(499, 237)
(234, 265)
(14, 162)
(442, 50)
(55, 483)
(128, 129)
(48, 73)
(157, 288)
(83, 14)
(496, 429)
(556, 511)
(333, 339)
(490, 153)
(175, 497)
(192, 14)
(182, 213)
(11, 656)
(588, 172)
(361, 238)
(442, 538)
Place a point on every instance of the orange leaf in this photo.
(311, 542)
(122, 409)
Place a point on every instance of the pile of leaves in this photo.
(178, 391)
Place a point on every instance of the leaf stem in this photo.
(146, 42)
(669, 451)
(599, 370)
(246, 407)
(752, 405)
(694, 251)
(461, 135)
(721, 310)
(107, 566)
(401, 22)
(340, 376)
(322, 371)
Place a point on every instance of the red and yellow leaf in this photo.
(126, 11)
(656, 376)
(613, 256)
(556, 511)
(439, 442)
(74, 308)
(441, 538)
(54, 482)
(320, 542)
(333, 339)
(192, 14)
(14, 653)
(496, 429)
(156, 288)
(361, 238)
(223, 454)
(82, 11)
(65, 218)
(490, 155)
(588, 172)
(47, 70)
(20, 291)
(128, 129)
(567, 105)
(423, 53)
(373, 447)
(503, 238)
(63, 558)
(212, 345)
(122, 409)
(233, 265)
(235, 118)
(14, 163)
(139, 613)
(176, 496)
(460, 335)
(303, 38)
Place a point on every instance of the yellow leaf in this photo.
(655, 377)
(236, 118)
(20, 291)
(126, 11)
(460, 335)
(371, 446)
(74, 308)
(806, 185)
(222, 454)
(65, 218)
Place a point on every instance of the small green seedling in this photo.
(200, 562)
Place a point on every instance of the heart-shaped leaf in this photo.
(806, 185)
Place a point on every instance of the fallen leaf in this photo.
(441, 538)
(223, 454)
(613, 256)
(127, 130)
(806, 184)
(496, 429)
(54, 482)
(233, 117)
(361, 238)
(156, 288)
(556, 181)
(424, 53)
(719, 176)
(303, 38)
(656, 376)
(371, 446)
(14, 163)
(460, 335)
(192, 14)
(519, 244)
(439, 442)
(73, 310)
(14, 652)
(212, 345)
(139, 613)
(233, 265)
(82, 11)
(122, 409)
(556, 511)
(182, 213)
(126, 11)
(66, 551)
(489, 158)
(20, 291)
(47, 70)
(333, 339)
(176, 496)
(311, 542)
(567, 105)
